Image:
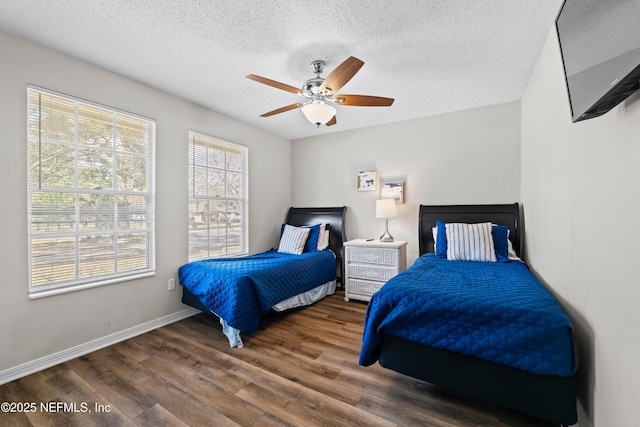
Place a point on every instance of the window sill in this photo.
(35, 294)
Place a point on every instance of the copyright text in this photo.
(53, 407)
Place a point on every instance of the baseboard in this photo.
(583, 418)
(45, 362)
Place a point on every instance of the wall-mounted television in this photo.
(600, 45)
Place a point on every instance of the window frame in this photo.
(196, 193)
(126, 239)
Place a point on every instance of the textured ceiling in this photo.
(431, 56)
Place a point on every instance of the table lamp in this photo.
(386, 208)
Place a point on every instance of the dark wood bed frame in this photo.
(551, 398)
(333, 216)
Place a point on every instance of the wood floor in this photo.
(302, 371)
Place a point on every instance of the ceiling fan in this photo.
(319, 93)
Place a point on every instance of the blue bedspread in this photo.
(494, 311)
(239, 290)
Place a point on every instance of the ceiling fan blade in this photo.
(281, 110)
(332, 122)
(363, 100)
(273, 83)
(341, 75)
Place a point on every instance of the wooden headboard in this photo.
(332, 216)
(508, 215)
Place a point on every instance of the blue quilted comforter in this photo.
(494, 311)
(239, 290)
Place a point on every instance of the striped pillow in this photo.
(470, 242)
(293, 239)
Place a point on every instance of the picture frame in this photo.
(367, 180)
(393, 190)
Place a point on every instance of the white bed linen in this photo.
(305, 298)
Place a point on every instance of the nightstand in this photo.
(369, 264)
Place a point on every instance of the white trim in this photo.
(582, 415)
(87, 102)
(72, 288)
(45, 362)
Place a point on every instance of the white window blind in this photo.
(217, 197)
(90, 194)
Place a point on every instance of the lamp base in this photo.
(386, 237)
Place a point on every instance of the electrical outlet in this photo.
(172, 284)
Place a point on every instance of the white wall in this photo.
(32, 329)
(470, 156)
(580, 196)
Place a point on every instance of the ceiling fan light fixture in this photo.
(318, 113)
(318, 91)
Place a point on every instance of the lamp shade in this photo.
(318, 113)
(386, 208)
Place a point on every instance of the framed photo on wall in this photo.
(393, 190)
(367, 181)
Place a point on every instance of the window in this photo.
(217, 197)
(89, 193)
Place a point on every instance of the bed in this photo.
(527, 367)
(240, 291)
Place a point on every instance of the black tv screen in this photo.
(600, 45)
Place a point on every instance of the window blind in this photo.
(217, 197)
(90, 192)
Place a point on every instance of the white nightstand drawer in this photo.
(373, 256)
(364, 288)
(371, 272)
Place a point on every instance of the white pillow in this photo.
(293, 239)
(512, 253)
(470, 242)
(323, 238)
